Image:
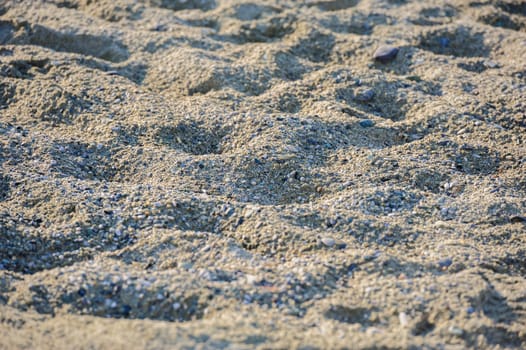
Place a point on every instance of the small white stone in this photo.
(328, 241)
(251, 279)
(402, 316)
(455, 330)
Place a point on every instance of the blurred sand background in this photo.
(219, 174)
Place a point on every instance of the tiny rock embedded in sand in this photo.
(445, 263)
(328, 241)
(403, 319)
(365, 95)
(366, 123)
(518, 218)
(385, 54)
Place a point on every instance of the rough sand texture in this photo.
(242, 174)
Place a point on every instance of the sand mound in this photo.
(242, 174)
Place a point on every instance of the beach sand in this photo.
(202, 174)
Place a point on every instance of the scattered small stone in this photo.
(455, 330)
(470, 310)
(445, 263)
(352, 267)
(414, 78)
(385, 54)
(365, 95)
(125, 310)
(404, 320)
(366, 123)
(109, 303)
(373, 256)
(251, 279)
(518, 218)
(448, 213)
(490, 64)
(444, 42)
(330, 222)
(341, 244)
(373, 330)
(328, 241)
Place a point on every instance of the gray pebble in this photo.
(385, 54)
(366, 123)
(365, 95)
(333, 243)
(340, 245)
(491, 64)
(328, 241)
(445, 263)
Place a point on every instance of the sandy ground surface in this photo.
(243, 174)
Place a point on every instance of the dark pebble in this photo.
(125, 310)
(372, 257)
(444, 142)
(414, 78)
(470, 310)
(82, 292)
(445, 263)
(444, 42)
(340, 245)
(385, 54)
(517, 219)
(366, 123)
(352, 267)
(365, 95)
